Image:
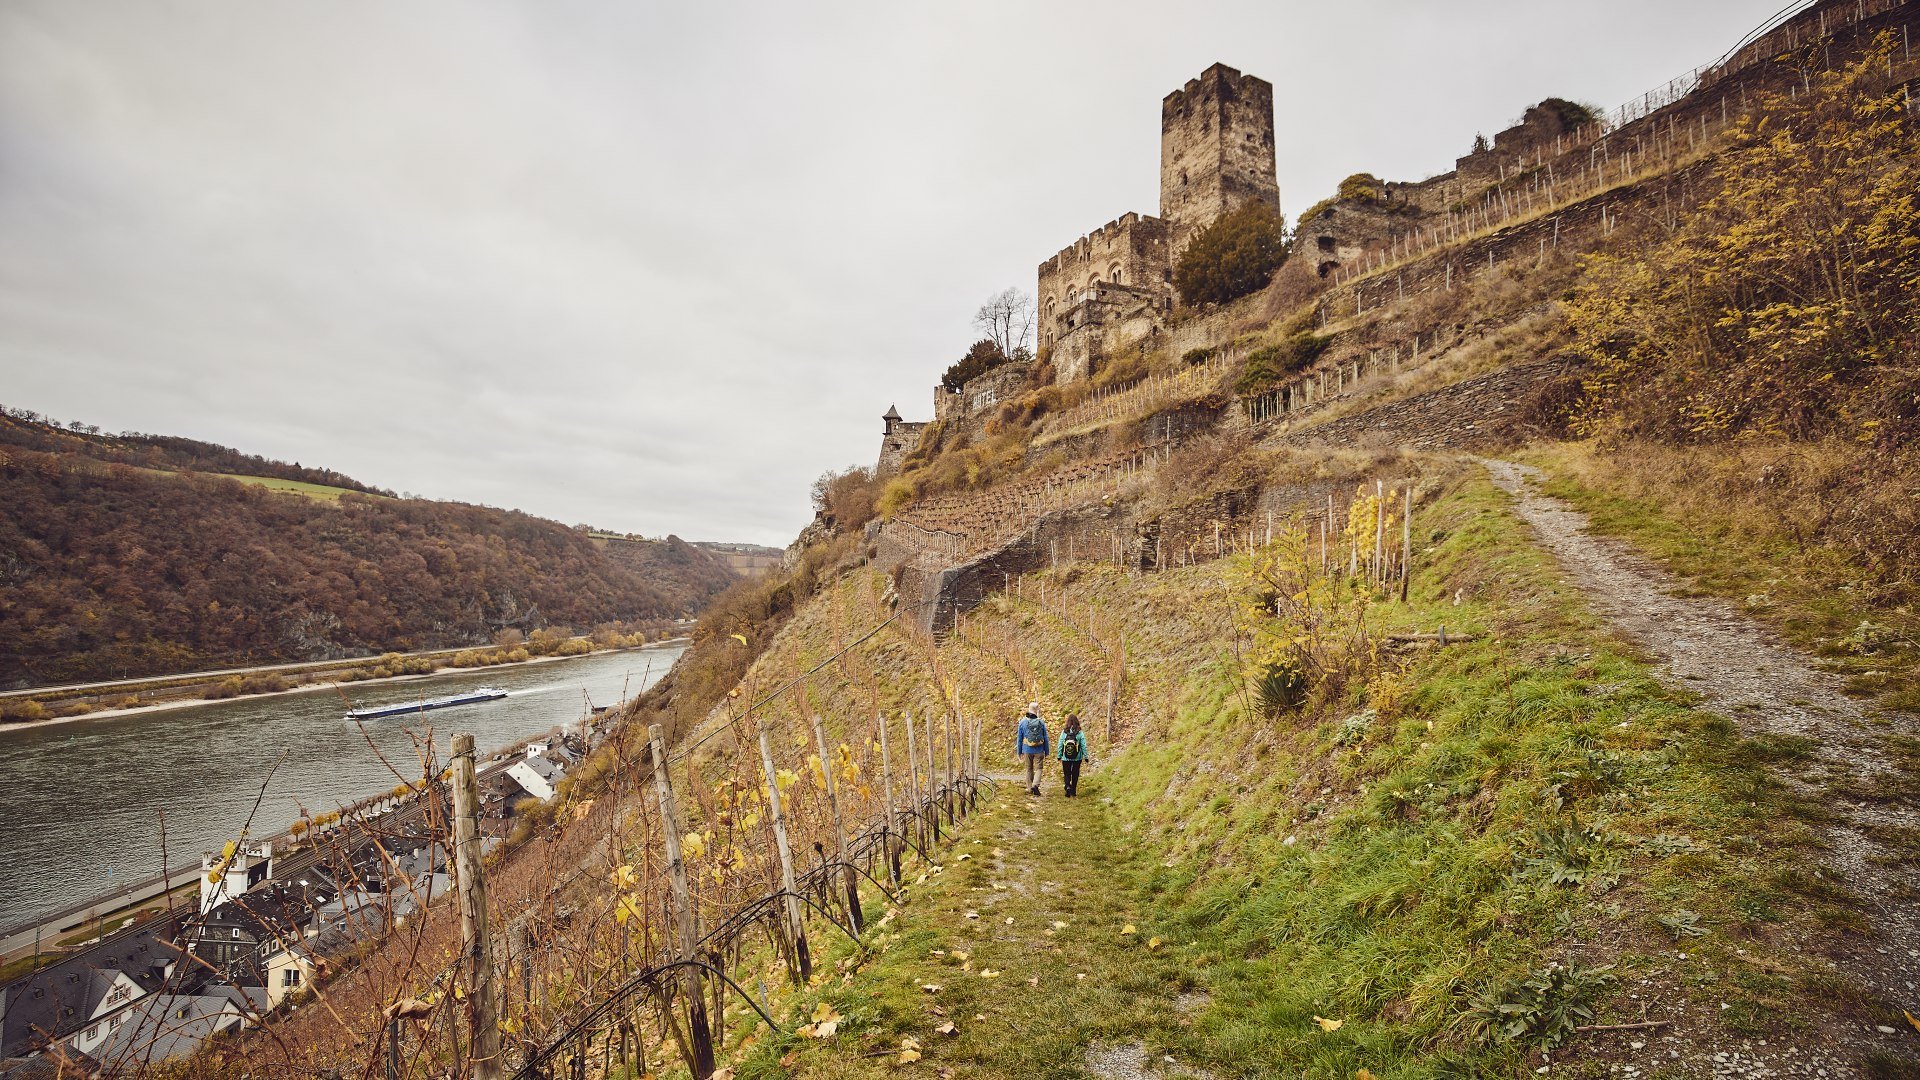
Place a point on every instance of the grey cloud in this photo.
(649, 266)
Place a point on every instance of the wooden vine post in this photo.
(699, 1032)
(1379, 529)
(913, 779)
(484, 1008)
(796, 917)
(1406, 543)
(855, 917)
(950, 777)
(886, 773)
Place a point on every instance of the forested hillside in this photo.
(110, 569)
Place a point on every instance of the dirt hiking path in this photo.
(1030, 942)
(1852, 768)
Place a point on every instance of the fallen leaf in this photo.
(931, 988)
(1128, 930)
(973, 914)
(963, 858)
(1328, 1025)
(723, 1074)
(1058, 925)
(979, 1016)
(961, 956)
(1153, 943)
(787, 1059)
(948, 1028)
(907, 1057)
(1366, 1074)
(1009, 920)
(1033, 980)
(1911, 1020)
(989, 973)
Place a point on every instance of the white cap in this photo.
(1033, 706)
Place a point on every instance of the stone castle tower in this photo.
(1216, 149)
(1116, 283)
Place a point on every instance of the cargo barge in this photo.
(484, 693)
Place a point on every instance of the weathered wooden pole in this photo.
(796, 916)
(886, 773)
(1379, 528)
(855, 917)
(687, 934)
(950, 777)
(913, 777)
(933, 786)
(484, 995)
(1406, 543)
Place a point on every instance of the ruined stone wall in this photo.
(1108, 318)
(1216, 150)
(1129, 251)
(901, 437)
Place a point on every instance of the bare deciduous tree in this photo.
(1007, 320)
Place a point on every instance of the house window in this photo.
(290, 978)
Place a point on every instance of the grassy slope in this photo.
(1423, 843)
(1698, 512)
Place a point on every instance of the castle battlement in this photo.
(1216, 153)
(1214, 83)
(1112, 234)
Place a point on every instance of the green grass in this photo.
(317, 492)
(1528, 805)
(1021, 867)
(1812, 595)
(320, 492)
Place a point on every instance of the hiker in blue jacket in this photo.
(1032, 744)
(1072, 754)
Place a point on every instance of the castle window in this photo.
(1328, 267)
(1326, 243)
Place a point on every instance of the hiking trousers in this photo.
(1070, 776)
(1033, 768)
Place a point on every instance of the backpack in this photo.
(1070, 747)
(1032, 735)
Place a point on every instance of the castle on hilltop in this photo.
(1114, 285)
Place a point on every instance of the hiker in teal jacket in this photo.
(1032, 743)
(1072, 754)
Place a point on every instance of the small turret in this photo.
(891, 417)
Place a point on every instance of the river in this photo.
(81, 801)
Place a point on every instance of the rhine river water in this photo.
(81, 801)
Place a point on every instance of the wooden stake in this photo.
(1406, 542)
(933, 789)
(699, 1032)
(796, 916)
(1379, 526)
(913, 775)
(886, 773)
(855, 917)
(484, 1012)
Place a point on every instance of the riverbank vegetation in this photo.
(111, 570)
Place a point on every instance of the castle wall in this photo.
(1107, 318)
(1216, 150)
(899, 441)
(1130, 251)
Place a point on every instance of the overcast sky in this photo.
(652, 266)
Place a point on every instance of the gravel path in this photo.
(1743, 671)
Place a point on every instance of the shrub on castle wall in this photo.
(982, 357)
(1232, 257)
